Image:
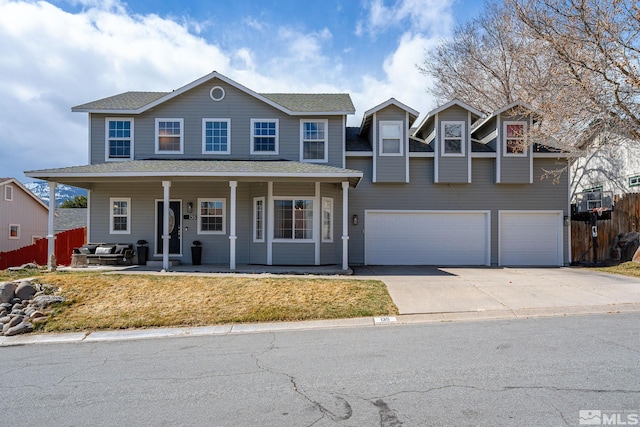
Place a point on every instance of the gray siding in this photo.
(513, 170)
(391, 168)
(238, 106)
(453, 169)
(482, 194)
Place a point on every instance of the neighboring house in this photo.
(70, 219)
(609, 166)
(23, 216)
(278, 179)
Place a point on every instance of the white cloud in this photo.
(424, 16)
(52, 60)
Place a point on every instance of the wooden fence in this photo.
(625, 218)
(37, 253)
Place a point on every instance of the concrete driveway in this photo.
(515, 291)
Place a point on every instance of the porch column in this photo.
(51, 233)
(317, 233)
(269, 222)
(232, 226)
(165, 226)
(345, 225)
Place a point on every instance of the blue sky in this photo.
(62, 53)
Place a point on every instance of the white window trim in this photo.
(255, 204)
(330, 239)
(224, 216)
(635, 178)
(106, 139)
(17, 236)
(204, 136)
(111, 216)
(325, 159)
(276, 142)
(463, 139)
(293, 239)
(181, 150)
(524, 152)
(400, 125)
(8, 193)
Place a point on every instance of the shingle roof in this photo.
(123, 101)
(417, 146)
(70, 218)
(201, 168)
(296, 102)
(355, 141)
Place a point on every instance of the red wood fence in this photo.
(625, 218)
(37, 253)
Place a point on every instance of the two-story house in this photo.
(23, 216)
(279, 179)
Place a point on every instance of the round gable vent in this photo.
(216, 93)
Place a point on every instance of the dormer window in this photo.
(515, 143)
(391, 138)
(453, 140)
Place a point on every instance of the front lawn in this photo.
(627, 269)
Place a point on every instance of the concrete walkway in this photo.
(510, 292)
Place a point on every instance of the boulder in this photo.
(25, 290)
(7, 292)
(21, 328)
(43, 301)
(16, 321)
(636, 256)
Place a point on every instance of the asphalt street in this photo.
(520, 372)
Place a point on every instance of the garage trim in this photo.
(559, 229)
(485, 213)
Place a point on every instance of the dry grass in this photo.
(100, 301)
(627, 269)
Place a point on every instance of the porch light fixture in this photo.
(190, 207)
(354, 220)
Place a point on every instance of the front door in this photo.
(174, 227)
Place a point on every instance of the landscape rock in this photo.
(15, 321)
(22, 328)
(26, 266)
(25, 290)
(5, 319)
(43, 301)
(625, 245)
(7, 292)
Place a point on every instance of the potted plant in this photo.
(142, 250)
(196, 252)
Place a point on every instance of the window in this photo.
(314, 145)
(119, 139)
(8, 193)
(390, 138)
(515, 141)
(327, 219)
(169, 134)
(264, 136)
(14, 231)
(258, 219)
(634, 181)
(293, 219)
(211, 213)
(120, 216)
(453, 139)
(216, 136)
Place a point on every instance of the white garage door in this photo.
(530, 238)
(427, 237)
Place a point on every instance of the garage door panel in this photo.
(426, 238)
(532, 238)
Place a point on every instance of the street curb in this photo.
(247, 328)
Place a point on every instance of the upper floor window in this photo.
(169, 136)
(634, 181)
(515, 143)
(119, 139)
(314, 147)
(216, 136)
(264, 136)
(453, 139)
(120, 215)
(211, 215)
(390, 141)
(8, 193)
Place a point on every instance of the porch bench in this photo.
(107, 253)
